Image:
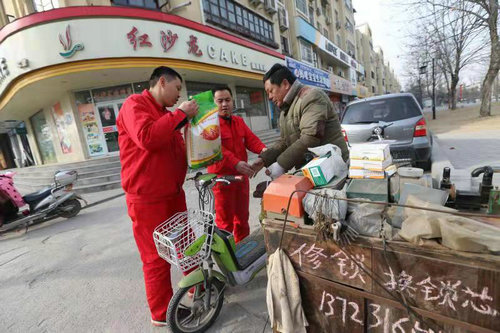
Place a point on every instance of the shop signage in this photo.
(143, 39)
(168, 40)
(340, 85)
(4, 70)
(308, 74)
(309, 33)
(362, 91)
(67, 44)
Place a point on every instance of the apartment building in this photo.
(379, 76)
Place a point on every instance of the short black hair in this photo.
(220, 88)
(278, 73)
(167, 72)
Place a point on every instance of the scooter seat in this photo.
(37, 196)
(250, 249)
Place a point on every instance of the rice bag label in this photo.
(202, 134)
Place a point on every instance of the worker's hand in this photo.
(257, 165)
(190, 108)
(275, 170)
(244, 168)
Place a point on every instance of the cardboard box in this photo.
(370, 152)
(319, 171)
(371, 165)
(365, 174)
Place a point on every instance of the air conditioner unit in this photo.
(256, 2)
(330, 69)
(271, 6)
(283, 18)
(328, 20)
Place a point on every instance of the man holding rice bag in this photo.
(153, 159)
(232, 201)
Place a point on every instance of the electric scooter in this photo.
(56, 200)
(191, 241)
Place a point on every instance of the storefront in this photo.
(338, 89)
(71, 73)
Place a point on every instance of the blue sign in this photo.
(309, 75)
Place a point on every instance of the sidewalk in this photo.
(463, 142)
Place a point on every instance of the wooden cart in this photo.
(446, 290)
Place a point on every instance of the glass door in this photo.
(108, 112)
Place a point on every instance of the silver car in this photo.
(395, 117)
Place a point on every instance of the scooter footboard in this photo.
(244, 276)
(198, 276)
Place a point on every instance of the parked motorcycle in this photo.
(192, 242)
(56, 200)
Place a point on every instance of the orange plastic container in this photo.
(276, 196)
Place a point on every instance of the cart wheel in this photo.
(75, 205)
(187, 312)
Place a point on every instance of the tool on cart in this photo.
(471, 200)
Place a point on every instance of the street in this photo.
(84, 275)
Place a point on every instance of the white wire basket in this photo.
(176, 234)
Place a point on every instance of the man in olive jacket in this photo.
(307, 120)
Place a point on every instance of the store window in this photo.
(232, 16)
(90, 124)
(112, 93)
(306, 52)
(140, 86)
(251, 105)
(44, 139)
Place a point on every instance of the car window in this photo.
(390, 109)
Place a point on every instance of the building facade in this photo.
(67, 70)
(68, 65)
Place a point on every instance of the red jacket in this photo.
(152, 150)
(236, 139)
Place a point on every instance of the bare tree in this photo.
(485, 12)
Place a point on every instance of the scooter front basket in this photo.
(179, 232)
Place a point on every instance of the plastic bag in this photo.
(365, 218)
(202, 133)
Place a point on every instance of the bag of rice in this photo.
(203, 133)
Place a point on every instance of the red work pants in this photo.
(231, 208)
(146, 217)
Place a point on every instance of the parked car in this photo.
(395, 117)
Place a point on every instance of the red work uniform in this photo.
(153, 159)
(232, 201)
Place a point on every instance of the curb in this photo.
(103, 200)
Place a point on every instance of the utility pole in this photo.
(433, 91)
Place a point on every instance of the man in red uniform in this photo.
(232, 201)
(153, 159)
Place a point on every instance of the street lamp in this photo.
(423, 70)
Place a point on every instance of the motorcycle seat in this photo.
(37, 196)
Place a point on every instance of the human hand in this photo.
(275, 170)
(245, 169)
(257, 165)
(190, 108)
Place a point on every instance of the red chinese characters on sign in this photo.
(193, 46)
(143, 39)
(168, 40)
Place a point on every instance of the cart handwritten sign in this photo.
(442, 285)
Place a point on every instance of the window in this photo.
(373, 75)
(311, 15)
(151, 4)
(348, 25)
(301, 6)
(232, 16)
(351, 49)
(319, 27)
(285, 48)
(348, 4)
(306, 52)
(389, 109)
(339, 41)
(43, 5)
(373, 89)
(325, 33)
